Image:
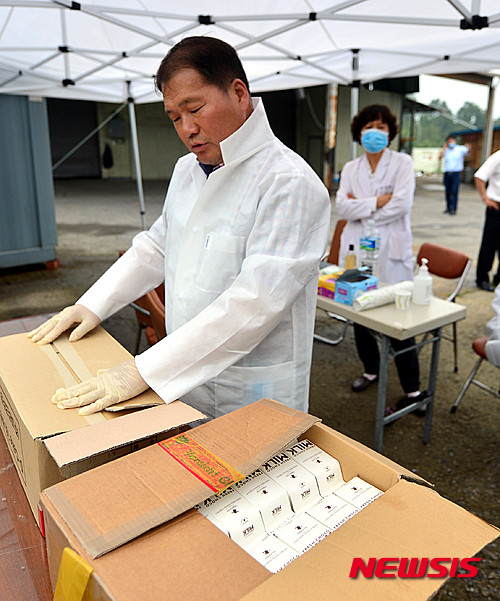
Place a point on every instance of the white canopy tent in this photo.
(109, 52)
(87, 50)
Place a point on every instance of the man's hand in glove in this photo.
(109, 387)
(54, 327)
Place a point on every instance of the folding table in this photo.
(390, 322)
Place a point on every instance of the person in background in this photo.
(487, 180)
(453, 154)
(238, 245)
(492, 347)
(380, 185)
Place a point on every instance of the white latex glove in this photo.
(54, 327)
(109, 387)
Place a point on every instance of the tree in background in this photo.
(472, 113)
(430, 129)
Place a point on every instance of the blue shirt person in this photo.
(453, 154)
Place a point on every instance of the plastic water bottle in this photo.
(369, 248)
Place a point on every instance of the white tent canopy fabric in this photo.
(110, 52)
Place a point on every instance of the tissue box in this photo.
(349, 284)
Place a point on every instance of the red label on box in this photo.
(208, 468)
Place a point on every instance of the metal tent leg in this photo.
(137, 160)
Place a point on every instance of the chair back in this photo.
(333, 257)
(446, 263)
(156, 304)
(479, 346)
(443, 262)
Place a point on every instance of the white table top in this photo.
(396, 323)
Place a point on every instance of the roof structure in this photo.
(109, 52)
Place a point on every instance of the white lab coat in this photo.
(492, 348)
(239, 253)
(394, 175)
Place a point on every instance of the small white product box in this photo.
(210, 517)
(302, 532)
(238, 516)
(325, 467)
(268, 496)
(299, 482)
(332, 511)
(358, 492)
(272, 553)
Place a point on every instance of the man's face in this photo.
(203, 114)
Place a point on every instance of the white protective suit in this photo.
(492, 347)
(394, 175)
(239, 253)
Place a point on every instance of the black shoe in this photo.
(446, 211)
(406, 402)
(486, 286)
(452, 212)
(362, 383)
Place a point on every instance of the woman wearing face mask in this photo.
(380, 185)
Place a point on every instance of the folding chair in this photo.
(333, 258)
(141, 309)
(479, 348)
(150, 313)
(156, 304)
(449, 264)
(148, 310)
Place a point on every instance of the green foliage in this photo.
(430, 129)
(472, 113)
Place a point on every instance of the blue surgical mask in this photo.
(451, 145)
(374, 140)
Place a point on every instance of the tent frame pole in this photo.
(488, 124)
(137, 160)
(355, 85)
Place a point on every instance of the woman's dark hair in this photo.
(216, 61)
(372, 113)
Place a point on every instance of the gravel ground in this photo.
(97, 219)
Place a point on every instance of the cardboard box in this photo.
(326, 284)
(30, 422)
(348, 284)
(124, 511)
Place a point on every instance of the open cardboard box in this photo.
(130, 520)
(33, 425)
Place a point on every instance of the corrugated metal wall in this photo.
(28, 232)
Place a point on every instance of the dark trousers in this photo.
(451, 184)
(406, 363)
(489, 245)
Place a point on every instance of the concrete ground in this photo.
(97, 219)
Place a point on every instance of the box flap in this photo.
(82, 360)
(407, 521)
(117, 502)
(31, 374)
(76, 445)
(188, 557)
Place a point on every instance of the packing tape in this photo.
(71, 368)
(208, 468)
(73, 578)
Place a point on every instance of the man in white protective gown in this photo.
(238, 245)
(492, 347)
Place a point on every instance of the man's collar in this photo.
(208, 169)
(252, 135)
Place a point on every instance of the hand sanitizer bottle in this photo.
(422, 285)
